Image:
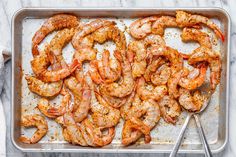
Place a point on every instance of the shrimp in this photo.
(157, 93)
(71, 130)
(170, 109)
(137, 57)
(204, 54)
(55, 22)
(142, 27)
(161, 76)
(40, 64)
(56, 45)
(152, 67)
(107, 119)
(43, 89)
(129, 133)
(189, 102)
(171, 54)
(184, 19)
(193, 83)
(105, 70)
(161, 23)
(125, 87)
(191, 34)
(95, 133)
(39, 122)
(154, 40)
(86, 30)
(74, 86)
(53, 112)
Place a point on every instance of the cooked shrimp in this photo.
(193, 83)
(152, 67)
(86, 30)
(55, 22)
(189, 102)
(71, 130)
(157, 93)
(39, 122)
(171, 54)
(56, 45)
(154, 40)
(142, 27)
(161, 23)
(188, 20)
(129, 133)
(203, 54)
(170, 109)
(125, 87)
(40, 64)
(161, 76)
(99, 139)
(75, 86)
(191, 34)
(43, 89)
(137, 57)
(101, 119)
(53, 112)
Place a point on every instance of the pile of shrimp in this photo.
(145, 81)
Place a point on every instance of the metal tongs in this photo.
(207, 93)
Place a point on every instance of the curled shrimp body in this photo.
(137, 57)
(39, 122)
(56, 22)
(53, 111)
(171, 54)
(154, 40)
(43, 89)
(40, 64)
(161, 23)
(189, 102)
(71, 130)
(204, 54)
(107, 70)
(193, 83)
(170, 109)
(188, 20)
(162, 75)
(157, 93)
(191, 34)
(103, 114)
(142, 27)
(125, 87)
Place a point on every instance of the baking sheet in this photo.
(163, 135)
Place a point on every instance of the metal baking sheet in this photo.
(214, 120)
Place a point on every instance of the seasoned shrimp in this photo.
(142, 27)
(86, 30)
(191, 34)
(75, 86)
(157, 93)
(137, 57)
(204, 54)
(161, 23)
(193, 83)
(43, 89)
(171, 54)
(129, 133)
(52, 111)
(39, 122)
(170, 109)
(96, 134)
(71, 130)
(107, 119)
(56, 45)
(188, 20)
(154, 40)
(161, 76)
(40, 64)
(189, 102)
(107, 70)
(55, 22)
(125, 87)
